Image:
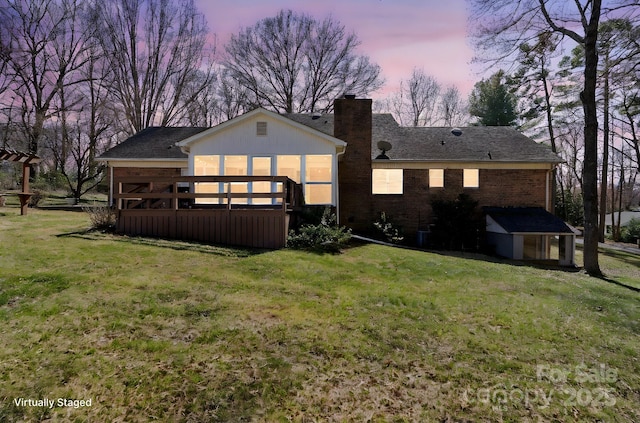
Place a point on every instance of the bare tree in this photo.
(42, 45)
(415, 103)
(453, 108)
(294, 63)
(156, 51)
(84, 125)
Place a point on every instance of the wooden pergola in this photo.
(27, 159)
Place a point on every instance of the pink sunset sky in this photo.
(398, 35)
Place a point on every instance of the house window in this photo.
(238, 187)
(387, 181)
(318, 168)
(289, 166)
(202, 166)
(261, 129)
(261, 166)
(235, 165)
(317, 193)
(318, 178)
(436, 178)
(471, 178)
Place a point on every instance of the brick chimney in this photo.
(352, 124)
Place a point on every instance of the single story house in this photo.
(623, 218)
(356, 161)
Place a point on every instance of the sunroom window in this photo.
(203, 166)
(261, 166)
(318, 178)
(289, 166)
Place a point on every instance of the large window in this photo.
(314, 171)
(318, 168)
(289, 166)
(436, 178)
(206, 165)
(318, 178)
(471, 178)
(387, 181)
(261, 166)
(317, 193)
(203, 166)
(235, 165)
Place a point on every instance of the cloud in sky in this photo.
(398, 35)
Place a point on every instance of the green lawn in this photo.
(171, 331)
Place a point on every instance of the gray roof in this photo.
(625, 217)
(476, 143)
(153, 143)
(527, 220)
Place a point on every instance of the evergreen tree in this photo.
(492, 102)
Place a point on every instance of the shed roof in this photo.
(527, 220)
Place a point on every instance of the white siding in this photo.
(281, 138)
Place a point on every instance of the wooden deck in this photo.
(170, 207)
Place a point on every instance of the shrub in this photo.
(388, 230)
(457, 222)
(326, 236)
(631, 232)
(102, 218)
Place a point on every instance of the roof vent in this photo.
(456, 131)
(261, 129)
(350, 96)
(316, 115)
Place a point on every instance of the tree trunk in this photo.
(590, 166)
(605, 155)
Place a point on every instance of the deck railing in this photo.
(180, 207)
(176, 192)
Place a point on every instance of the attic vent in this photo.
(261, 129)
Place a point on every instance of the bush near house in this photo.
(324, 236)
(631, 232)
(103, 218)
(457, 223)
(388, 230)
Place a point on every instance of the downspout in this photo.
(547, 198)
(110, 184)
(337, 187)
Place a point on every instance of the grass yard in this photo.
(144, 330)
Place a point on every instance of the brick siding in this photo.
(352, 123)
(498, 187)
(411, 210)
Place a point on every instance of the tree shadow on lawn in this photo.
(628, 257)
(544, 265)
(178, 245)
